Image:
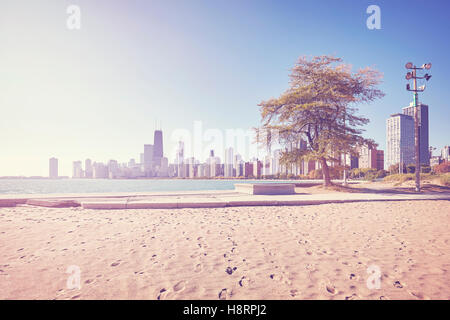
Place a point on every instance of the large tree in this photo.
(320, 107)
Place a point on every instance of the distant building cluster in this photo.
(53, 168)
(400, 137)
(443, 157)
(152, 163)
(270, 165)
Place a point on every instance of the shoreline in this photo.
(217, 198)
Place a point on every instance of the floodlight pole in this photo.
(416, 91)
(416, 132)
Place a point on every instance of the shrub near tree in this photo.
(410, 168)
(442, 168)
(425, 169)
(335, 173)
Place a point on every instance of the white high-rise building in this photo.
(267, 162)
(88, 169)
(113, 169)
(53, 168)
(164, 168)
(275, 162)
(180, 153)
(238, 163)
(77, 170)
(179, 160)
(214, 165)
(202, 168)
(229, 160)
(399, 140)
(445, 153)
(148, 159)
(100, 170)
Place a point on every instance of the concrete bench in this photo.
(265, 188)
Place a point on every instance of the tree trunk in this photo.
(326, 172)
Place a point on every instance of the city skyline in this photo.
(154, 164)
(91, 93)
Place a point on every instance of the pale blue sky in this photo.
(96, 92)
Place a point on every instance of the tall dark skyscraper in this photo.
(423, 131)
(158, 145)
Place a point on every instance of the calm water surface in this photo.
(33, 186)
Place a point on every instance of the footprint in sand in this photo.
(243, 282)
(180, 286)
(418, 295)
(198, 268)
(230, 270)
(281, 278)
(224, 294)
(331, 289)
(162, 294)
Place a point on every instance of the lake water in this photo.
(35, 186)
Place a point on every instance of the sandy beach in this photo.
(328, 251)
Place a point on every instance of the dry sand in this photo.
(308, 252)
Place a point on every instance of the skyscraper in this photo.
(399, 140)
(229, 160)
(148, 159)
(158, 145)
(158, 154)
(100, 171)
(77, 170)
(88, 169)
(53, 168)
(180, 159)
(180, 153)
(113, 169)
(276, 162)
(370, 157)
(423, 130)
(445, 153)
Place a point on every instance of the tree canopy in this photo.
(320, 107)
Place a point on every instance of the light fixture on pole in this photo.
(413, 75)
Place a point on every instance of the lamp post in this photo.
(413, 75)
